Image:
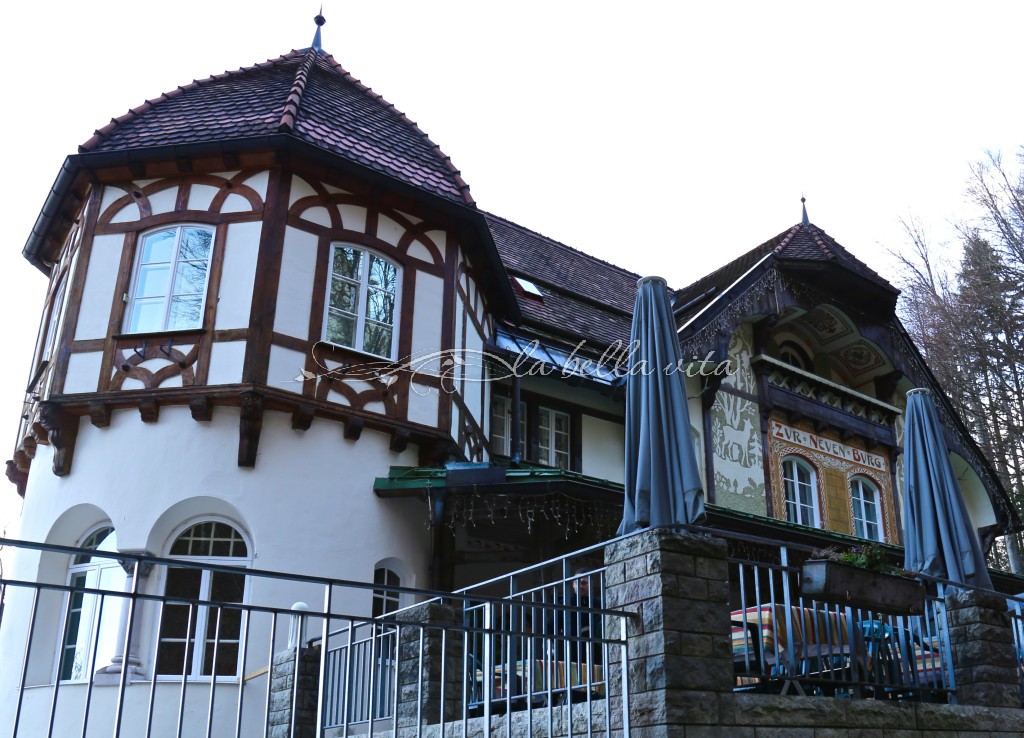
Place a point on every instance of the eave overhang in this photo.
(80, 168)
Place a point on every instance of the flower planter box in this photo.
(842, 584)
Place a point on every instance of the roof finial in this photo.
(320, 21)
(803, 203)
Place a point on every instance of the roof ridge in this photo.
(591, 257)
(455, 172)
(101, 133)
(294, 100)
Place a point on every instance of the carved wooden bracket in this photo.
(353, 428)
(302, 417)
(17, 477)
(249, 426)
(201, 408)
(62, 432)
(29, 444)
(149, 409)
(99, 413)
(399, 439)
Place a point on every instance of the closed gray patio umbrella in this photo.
(663, 486)
(939, 538)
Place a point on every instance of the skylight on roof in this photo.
(528, 287)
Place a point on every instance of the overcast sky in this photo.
(665, 137)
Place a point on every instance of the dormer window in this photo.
(362, 301)
(168, 289)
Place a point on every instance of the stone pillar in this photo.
(985, 664)
(131, 662)
(289, 693)
(419, 682)
(680, 657)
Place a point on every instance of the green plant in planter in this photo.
(869, 556)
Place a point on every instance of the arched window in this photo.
(794, 355)
(385, 599)
(91, 620)
(362, 301)
(191, 635)
(801, 490)
(866, 509)
(168, 288)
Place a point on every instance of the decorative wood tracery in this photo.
(179, 365)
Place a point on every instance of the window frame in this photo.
(196, 628)
(866, 484)
(388, 601)
(789, 504)
(93, 646)
(505, 417)
(364, 287)
(132, 298)
(531, 407)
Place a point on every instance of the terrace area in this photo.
(717, 632)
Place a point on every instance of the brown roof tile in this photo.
(304, 94)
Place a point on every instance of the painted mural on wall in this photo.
(736, 433)
(835, 464)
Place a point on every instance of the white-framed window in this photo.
(801, 491)
(203, 640)
(501, 426)
(867, 509)
(385, 599)
(91, 621)
(553, 437)
(168, 289)
(362, 301)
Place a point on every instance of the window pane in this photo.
(185, 312)
(381, 307)
(347, 261)
(341, 329)
(195, 244)
(382, 274)
(190, 278)
(227, 587)
(152, 281)
(158, 247)
(147, 315)
(344, 295)
(377, 339)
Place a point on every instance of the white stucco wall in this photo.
(238, 274)
(295, 290)
(100, 278)
(603, 448)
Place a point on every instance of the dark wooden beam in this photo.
(62, 432)
(149, 409)
(249, 427)
(99, 413)
(354, 428)
(201, 408)
(302, 417)
(399, 440)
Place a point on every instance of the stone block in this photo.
(670, 562)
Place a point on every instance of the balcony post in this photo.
(985, 664)
(421, 674)
(679, 653)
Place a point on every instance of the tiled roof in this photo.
(303, 93)
(804, 242)
(584, 297)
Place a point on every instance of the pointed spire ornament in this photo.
(803, 203)
(320, 21)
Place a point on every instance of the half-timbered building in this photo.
(278, 332)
